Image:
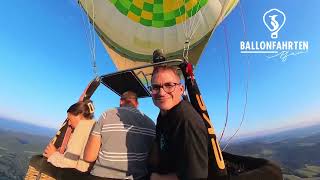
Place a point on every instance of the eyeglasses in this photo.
(167, 87)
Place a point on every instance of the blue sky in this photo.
(45, 65)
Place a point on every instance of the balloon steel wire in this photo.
(144, 76)
(247, 82)
(198, 23)
(90, 35)
(191, 21)
(184, 21)
(194, 18)
(190, 28)
(86, 29)
(89, 30)
(93, 40)
(229, 82)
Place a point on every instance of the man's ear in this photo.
(121, 102)
(137, 104)
(181, 88)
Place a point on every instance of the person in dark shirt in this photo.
(180, 150)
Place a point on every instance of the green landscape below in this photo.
(296, 151)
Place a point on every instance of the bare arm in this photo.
(66, 160)
(92, 148)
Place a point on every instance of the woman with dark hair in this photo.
(80, 119)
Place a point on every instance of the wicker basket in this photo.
(39, 168)
(34, 174)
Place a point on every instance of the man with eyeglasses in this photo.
(180, 150)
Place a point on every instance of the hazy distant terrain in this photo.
(18, 126)
(17, 147)
(297, 151)
(15, 150)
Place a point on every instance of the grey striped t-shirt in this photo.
(126, 138)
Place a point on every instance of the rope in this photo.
(229, 82)
(186, 46)
(192, 20)
(198, 22)
(243, 113)
(93, 40)
(145, 77)
(86, 30)
(247, 82)
(190, 27)
(90, 36)
(184, 21)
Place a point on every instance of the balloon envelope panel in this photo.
(133, 29)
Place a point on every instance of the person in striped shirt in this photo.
(120, 141)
